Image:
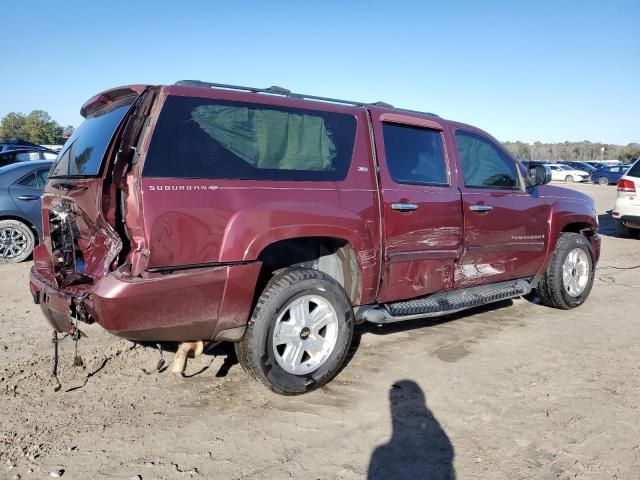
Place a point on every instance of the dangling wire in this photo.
(54, 374)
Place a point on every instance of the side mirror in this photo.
(539, 174)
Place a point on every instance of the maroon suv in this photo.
(200, 212)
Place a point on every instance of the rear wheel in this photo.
(568, 178)
(16, 241)
(603, 181)
(569, 278)
(299, 333)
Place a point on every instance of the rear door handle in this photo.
(404, 207)
(480, 208)
(29, 197)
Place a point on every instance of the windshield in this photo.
(82, 154)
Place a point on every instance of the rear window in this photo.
(205, 138)
(82, 154)
(634, 171)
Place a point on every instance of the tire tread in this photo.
(280, 282)
(550, 287)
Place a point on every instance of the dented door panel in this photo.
(422, 243)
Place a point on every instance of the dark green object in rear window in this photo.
(201, 138)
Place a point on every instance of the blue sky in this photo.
(544, 70)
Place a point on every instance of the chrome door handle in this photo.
(480, 208)
(28, 197)
(404, 207)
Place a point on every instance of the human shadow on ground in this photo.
(419, 448)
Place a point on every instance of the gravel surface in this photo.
(512, 391)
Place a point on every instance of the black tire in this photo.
(255, 351)
(625, 232)
(603, 181)
(27, 241)
(551, 289)
(568, 178)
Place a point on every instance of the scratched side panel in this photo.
(506, 243)
(193, 221)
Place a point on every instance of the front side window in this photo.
(414, 155)
(484, 165)
(217, 139)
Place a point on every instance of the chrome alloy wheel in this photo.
(12, 242)
(305, 334)
(575, 272)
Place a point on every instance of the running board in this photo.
(443, 303)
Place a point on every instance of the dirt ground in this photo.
(516, 391)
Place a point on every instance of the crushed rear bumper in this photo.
(197, 304)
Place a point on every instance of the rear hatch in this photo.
(81, 239)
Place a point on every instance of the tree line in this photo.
(39, 127)
(36, 127)
(574, 151)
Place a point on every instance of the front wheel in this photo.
(568, 178)
(569, 278)
(299, 333)
(603, 181)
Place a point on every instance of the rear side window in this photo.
(634, 171)
(414, 155)
(42, 175)
(484, 165)
(83, 153)
(206, 138)
(30, 181)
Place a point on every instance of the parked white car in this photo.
(565, 173)
(626, 209)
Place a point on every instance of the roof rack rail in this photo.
(275, 90)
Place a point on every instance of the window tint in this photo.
(634, 171)
(42, 177)
(82, 154)
(483, 164)
(26, 156)
(29, 181)
(206, 138)
(414, 155)
(7, 158)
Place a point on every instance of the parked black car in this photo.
(18, 144)
(582, 166)
(25, 155)
(21, 187)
